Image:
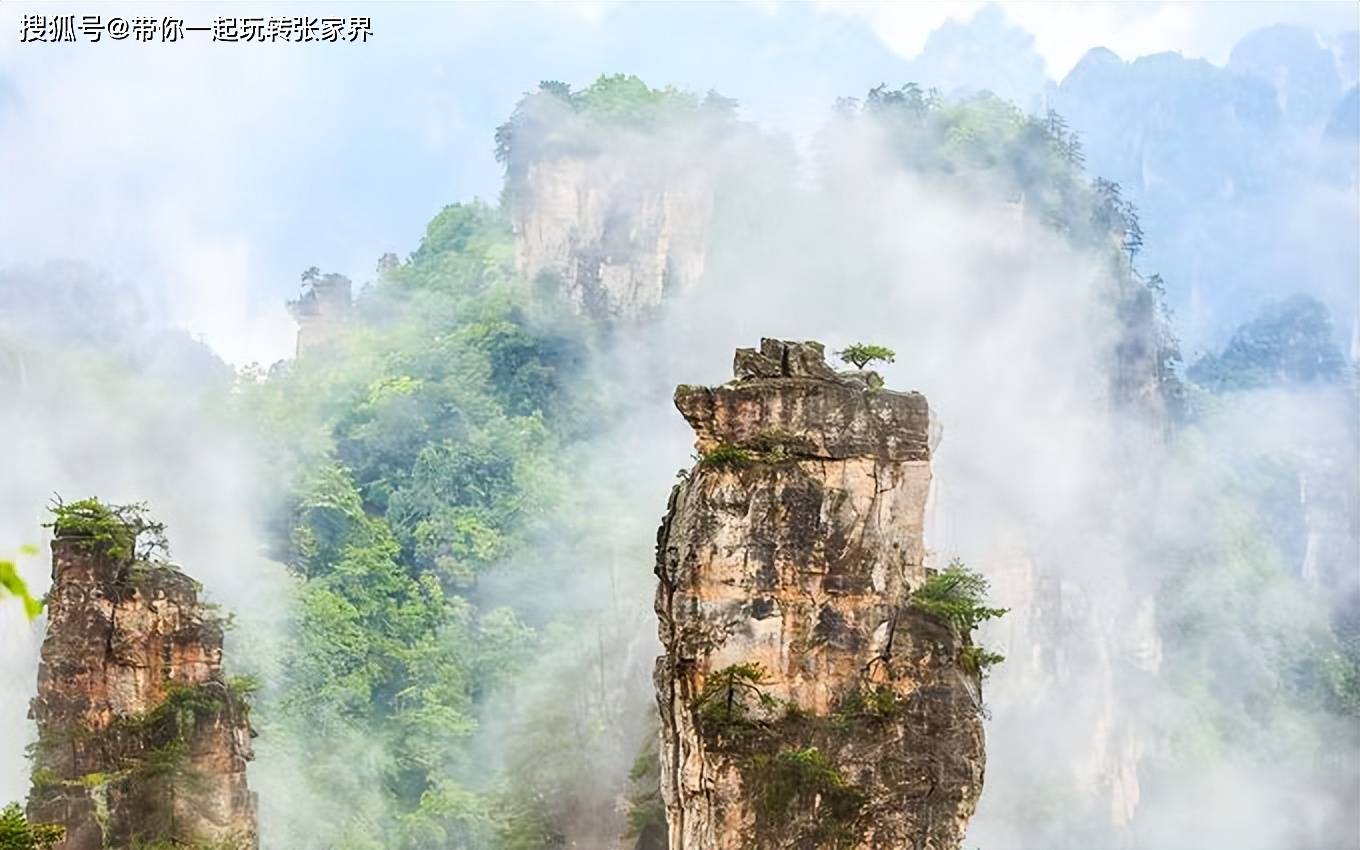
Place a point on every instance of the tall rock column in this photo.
(804, 702)
(141, 741)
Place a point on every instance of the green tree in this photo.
(862, 354)
(958, 596)
(16, 833)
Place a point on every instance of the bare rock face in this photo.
(614, 233)
(322, 311)
(140, 738)
(803, 703)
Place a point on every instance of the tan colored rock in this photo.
(803, 703)
(611, 231)
(140, 739)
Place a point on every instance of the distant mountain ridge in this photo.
(1245, 174)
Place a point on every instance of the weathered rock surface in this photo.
(141, 740)
(613, 231)
(803, 703)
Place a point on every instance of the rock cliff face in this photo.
(616, 233)
(1072, 650)
(803, 702)
(322, 310)
(140, 738)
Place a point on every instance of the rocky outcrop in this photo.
(804, 702)
(323, 309)
(140, 738)
(613, 231)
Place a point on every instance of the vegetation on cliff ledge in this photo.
(725, 456)
(123, 532)
(780, 751)
(803, 776)
(153, 744)
(958, 596)
(862, 354)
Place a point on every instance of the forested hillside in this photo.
(432, 446)
(457, 489)
(422, 450)
(435, 456)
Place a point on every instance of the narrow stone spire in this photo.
(141, 741)
(803, 702)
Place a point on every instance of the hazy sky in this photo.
(209, 175)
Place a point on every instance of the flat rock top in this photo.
(785, 398)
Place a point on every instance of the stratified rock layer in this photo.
(140, 738)
(803, 703)
(613, 232)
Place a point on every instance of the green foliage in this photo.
(1113, 214)
(877, 702)
(460, 234)
(166, 729)
(805, 777)
(429, 445)
(773, 445)
(13, 584)
(725, 456)
(623, 98)
(183, 705)
(1292, 341)
(776, 444)
(977, 660)
(44, 777)
(424, 449)
(97, 779)
(862, 354)
(731, 705)
(1252, 661)
(243, 687)
(123, 532)
(986, 145)
(1036, 160)
(957, 596)
(557, 117)
(16, 833)
(165, 761)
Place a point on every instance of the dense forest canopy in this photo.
(425, 446)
